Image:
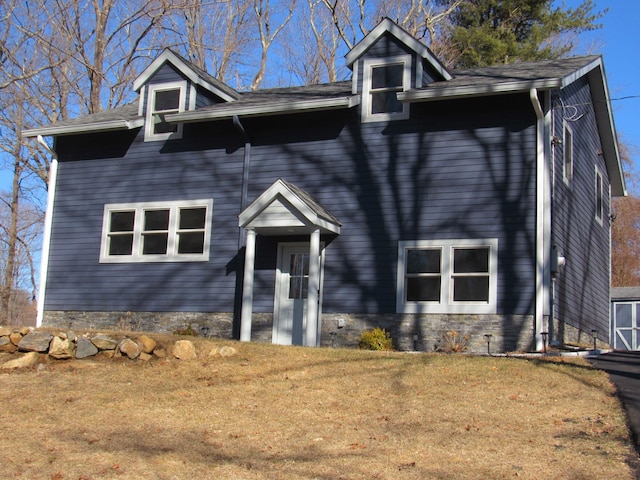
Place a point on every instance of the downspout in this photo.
(541, 206)
(46, 240)
(245, 174)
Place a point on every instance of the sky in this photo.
(619, 43)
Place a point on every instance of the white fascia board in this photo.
(581, 72)
(84, 128)
(278, 190)
(607, 130)
(228, 111)
(169, 56)
(448, 92)
(412, 43)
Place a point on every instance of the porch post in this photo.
(311, 329)
(247, 286)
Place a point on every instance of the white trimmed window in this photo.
(164, 99)
(448, 276)
(383, 79)
(156, 232)
(568, 154)
(599, 197)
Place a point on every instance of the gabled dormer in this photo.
(386, 62)
(172, 84)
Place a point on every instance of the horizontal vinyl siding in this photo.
(583, 284)
(454, 170)
(408, 181)
(76, 279)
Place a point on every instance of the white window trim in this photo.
(447, 305)
(149, 136)
(368, 65)
(567, 146)
(599, 182)
(171, 255)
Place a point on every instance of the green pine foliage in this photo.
(492, 32)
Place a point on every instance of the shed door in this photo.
(625, 326)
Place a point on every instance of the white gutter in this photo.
(442, 92)
(541, 208)
(84, 128)
(46, 240)
(238, 110)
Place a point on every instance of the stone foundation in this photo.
(217, 325)
(415, 332)
(410, 332)
(565, 334)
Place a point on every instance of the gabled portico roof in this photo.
(285, 209)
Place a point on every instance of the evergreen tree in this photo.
(490, 32)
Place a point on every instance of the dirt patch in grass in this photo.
(274, 412)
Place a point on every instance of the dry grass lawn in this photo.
(296, 413)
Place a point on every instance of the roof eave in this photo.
(264, 110)
(607, 130)
(446, 92)
(111, 125)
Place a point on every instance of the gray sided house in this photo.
(411, 197)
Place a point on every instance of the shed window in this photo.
(156, 232)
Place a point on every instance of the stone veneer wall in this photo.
(408, 331)
(565, 334)
(217, 325)
(422, 332)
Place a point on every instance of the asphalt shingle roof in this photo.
(328, 95)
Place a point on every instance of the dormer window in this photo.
(164, 99)
(383, 79)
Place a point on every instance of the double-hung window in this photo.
(164, 99)
(156, 232)
(383, 79)
(449, 276)
(599, 197)
(568, 154)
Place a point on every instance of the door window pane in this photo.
(298, 275)
(623, 315)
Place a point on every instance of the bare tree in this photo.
(214, 36)
(264, 13)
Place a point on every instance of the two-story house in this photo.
(410, 197)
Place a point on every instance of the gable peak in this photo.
(389, 27)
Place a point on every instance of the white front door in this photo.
(290, 306)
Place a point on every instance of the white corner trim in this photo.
(46, 239)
